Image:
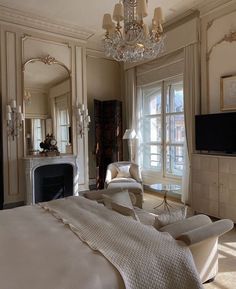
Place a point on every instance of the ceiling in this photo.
(88, 14)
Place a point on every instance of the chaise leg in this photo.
(210, 280)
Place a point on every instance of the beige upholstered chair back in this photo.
(113, 170)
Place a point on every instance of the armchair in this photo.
(125, 175)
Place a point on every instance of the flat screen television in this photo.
(216, 132)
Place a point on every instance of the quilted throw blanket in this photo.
(144, 257)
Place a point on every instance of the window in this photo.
(63, 123)
(163, 127)
(37, 128)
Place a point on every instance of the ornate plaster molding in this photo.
(231, 37)
(210, 23)
(41, 23)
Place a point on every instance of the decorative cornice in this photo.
(207, 7)
(33, 21)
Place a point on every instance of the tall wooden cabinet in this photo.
(214, 185)
(108, 136)
(1, 163)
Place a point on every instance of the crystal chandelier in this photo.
(135, 42)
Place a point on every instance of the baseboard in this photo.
(13, 205)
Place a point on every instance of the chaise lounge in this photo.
(198, 232)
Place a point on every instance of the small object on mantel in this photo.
(49, 146)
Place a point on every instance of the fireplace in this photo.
(49, 178)
(53, 182)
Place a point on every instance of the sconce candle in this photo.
(14, 118)
(83, 119)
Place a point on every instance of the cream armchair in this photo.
(125, 175)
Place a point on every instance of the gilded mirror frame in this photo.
(48, 60)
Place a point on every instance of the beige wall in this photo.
(217, 54)
(103, 83)
(16, 48)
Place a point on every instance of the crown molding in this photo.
(207, 7)
(37, 22)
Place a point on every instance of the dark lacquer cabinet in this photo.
(1, 162)
(108, 136)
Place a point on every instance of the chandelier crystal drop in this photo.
(133, 42)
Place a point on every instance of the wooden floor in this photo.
(226, 277)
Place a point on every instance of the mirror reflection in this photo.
(47, 102)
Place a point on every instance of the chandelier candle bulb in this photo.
(107, 22)
(89, 119)
(83, 107)
(118, 14)
(112, 29)
(19, 108)
(158, 16)
(142, 8)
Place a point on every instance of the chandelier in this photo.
(135, 42)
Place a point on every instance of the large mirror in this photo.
(47, 104)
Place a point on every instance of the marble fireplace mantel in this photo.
(31, 163)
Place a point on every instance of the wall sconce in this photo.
(83, 119)
(14, 118)
(27, 97)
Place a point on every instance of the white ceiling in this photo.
(88, 14)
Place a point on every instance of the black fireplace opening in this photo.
(53, 182)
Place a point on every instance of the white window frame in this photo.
(163, 173)
(61, 105)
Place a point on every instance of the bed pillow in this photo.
(123, 171)
(167, 218)
(120, 202)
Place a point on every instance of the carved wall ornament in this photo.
(231, 37)
(210, 23)
(46, 60)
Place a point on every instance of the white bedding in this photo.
(39, 251)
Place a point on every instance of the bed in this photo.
(77, 243)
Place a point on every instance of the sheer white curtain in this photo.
(130, 106)
(191, 107)
(130, 95)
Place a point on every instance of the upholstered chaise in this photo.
(198, 232)
(125, 175)
(201, 235)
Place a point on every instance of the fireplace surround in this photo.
(47, 178)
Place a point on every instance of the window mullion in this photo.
(163, 122)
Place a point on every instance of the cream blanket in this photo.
(144, 257)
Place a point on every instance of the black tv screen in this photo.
(216, 132)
